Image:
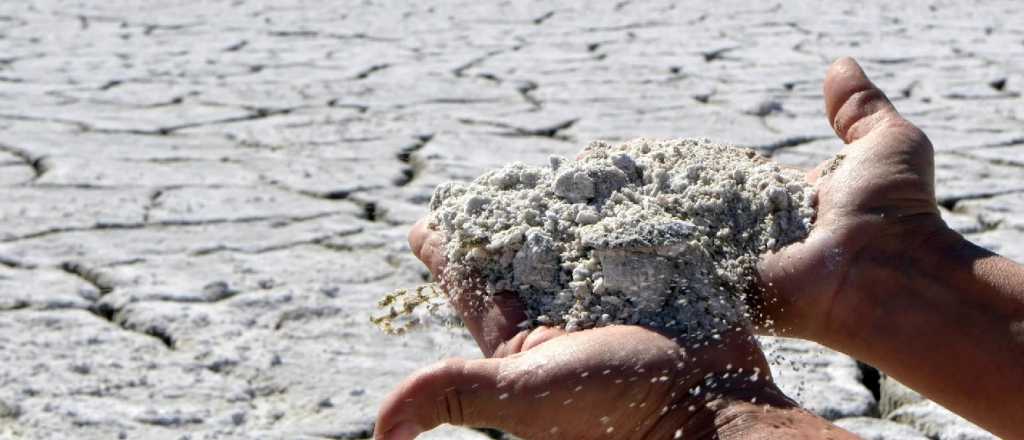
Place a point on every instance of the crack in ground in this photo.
(337, 194)
(788, 142)
(460, 71)
(215, 292)
(413, 165)
(543, 18)
(446, 101)
(340, 247)
(549, 131)
(627, 26)
(165, 223)
(973, 97)
(90, 275)
(337, 36)
(71, 99)
(105, 285)
(365, 73)
(18, 304)
(147, 28)
(306, 312)
(950, 202)
(317, 241)
(371, 211)
(177, 100)
(1007, 143)
(81, 126)
(985, 224)
(336, 103)
(718, 54)
(39, 164)
(156, 332)
(15, 264)
(989, 160)
(259, 113)
(254, 114)
(524, 89)
(361, 433)
(870, 377)
(151, 203)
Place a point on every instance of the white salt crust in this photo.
(663, 233)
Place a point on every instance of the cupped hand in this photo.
(875, 203)
(875, 206)
(616, 382)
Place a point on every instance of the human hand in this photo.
(609, 382)
(875, 207)
(881, 276)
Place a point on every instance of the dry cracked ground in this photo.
(201, 201)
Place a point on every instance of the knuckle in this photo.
(451, 367)
(415, 240)
(914, 134)
(449, 402)
(432, 252)
(859, 105)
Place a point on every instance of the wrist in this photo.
(924, 278)
(934, 313)
(886, 275)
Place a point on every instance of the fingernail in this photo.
(402, 431)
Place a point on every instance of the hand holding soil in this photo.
(875, 205)
(880, 276)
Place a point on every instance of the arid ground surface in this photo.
(201, 201)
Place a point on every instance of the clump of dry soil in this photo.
(663, 233)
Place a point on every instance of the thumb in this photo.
(854, 105)
(455, 391)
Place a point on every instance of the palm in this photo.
(609, 382)
(612, 382)
(876, 198)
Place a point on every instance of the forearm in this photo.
(947, 320)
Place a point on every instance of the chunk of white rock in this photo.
(893, 395)
(574, 185)
(869, 428)
(668, 238)
(936, 422)
(902, 404)
(823, 381)
(644, 278)
(449, 432)
(536, 263)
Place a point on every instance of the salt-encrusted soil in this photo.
(201, 202)
(663, 233)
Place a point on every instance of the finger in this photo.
(549, 392)
(493, 320)
(426, 245)
(559, 390)
(456, 391)
(854, 105)
(486, 393)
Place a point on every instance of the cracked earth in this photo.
(200, 202)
